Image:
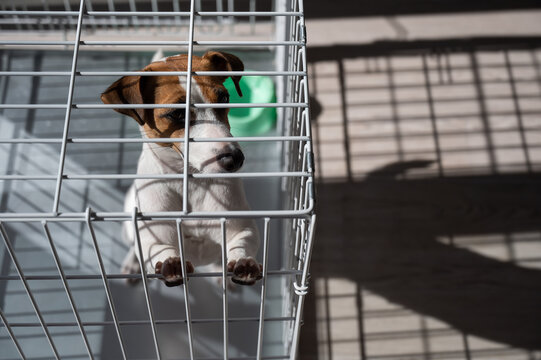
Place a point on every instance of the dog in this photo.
(202, 238)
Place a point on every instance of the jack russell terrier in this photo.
(202, 238)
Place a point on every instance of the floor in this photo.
(427, 133)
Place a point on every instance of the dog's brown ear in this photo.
(126, 90)
(221, 61)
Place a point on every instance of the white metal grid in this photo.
(294, 218)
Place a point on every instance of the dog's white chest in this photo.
(202, 238)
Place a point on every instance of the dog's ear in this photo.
(221, 61)
(126, 90)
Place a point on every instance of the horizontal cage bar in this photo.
(154, 43)
(158, 176)
(153, 140)
(137, 276)
(171, 215)
(151, 13)
(153, 73)
(154, 106)
(146, 322)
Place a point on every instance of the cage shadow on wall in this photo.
(428, 200)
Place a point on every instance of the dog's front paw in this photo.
(171, 269)
(246, 271)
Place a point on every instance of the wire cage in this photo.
(67, 161)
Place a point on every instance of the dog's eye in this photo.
(176, 116)
(223, 97)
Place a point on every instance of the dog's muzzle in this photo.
(231, 161)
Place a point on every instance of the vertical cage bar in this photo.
(66, 287)
(68, 107)
(111, 7)
(252, 18)
(145, 282)
(65, 23)
(231, 8)
(176, 8)
(263, 289)
(220, 8)
(92, 21)
(155, 19)
(134, 19)
(301, 290)
(48, 19)
(198, 9)
(186, 292)
(27, 289)
(105, 283)
(224, 289)
(187, 111)
(16, 17)
(12, 335)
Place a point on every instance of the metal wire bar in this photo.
(138, 276)
(152, 106)
(187, 112)
(12, 335)
(67, 118)
(156, 176)
(90, 8)
(105, 282)
(145, 282)
(18, 267)
(152, 13)
(186, 292)
(145, 322)
(302, 288)
(169, 215)
(134, 9)
(224, 290)
(66, 288)
(263, 288)
(248, 43)
(219, 8)
(153, 73)
(156, 140)
(155, 9)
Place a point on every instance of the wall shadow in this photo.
(402, 229)
(383, 234)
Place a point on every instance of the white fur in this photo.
(202, 238)
(158, 56)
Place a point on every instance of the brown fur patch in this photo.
(167, 90)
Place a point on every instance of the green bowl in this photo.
(252, 121)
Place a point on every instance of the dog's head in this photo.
(170, 123)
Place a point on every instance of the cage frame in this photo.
(299, 182)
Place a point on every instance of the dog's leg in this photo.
(170, 268)
(130, 265)
(242, 249)
(160, 250)
(163, 259)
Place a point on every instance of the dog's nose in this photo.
(231, 161)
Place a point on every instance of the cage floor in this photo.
(79, 257)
